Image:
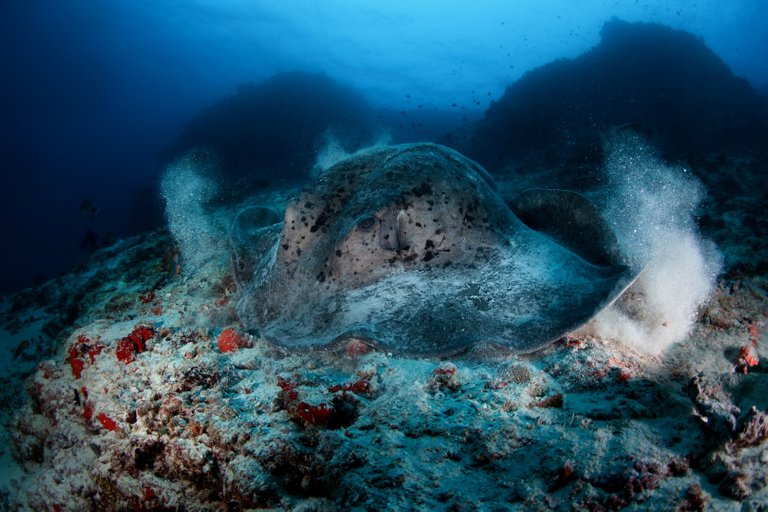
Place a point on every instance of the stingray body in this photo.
(411, 247)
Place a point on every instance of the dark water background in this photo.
(96, 97)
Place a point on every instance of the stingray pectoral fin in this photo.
(578, 300)
(571, 219)
(540, 301)
(620, 277)
(253, 218)
(254, 234)
(444, 311)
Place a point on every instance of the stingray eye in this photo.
(366, 224)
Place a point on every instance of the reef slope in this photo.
(129, 384)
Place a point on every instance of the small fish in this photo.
(89, 209)
(20, 348)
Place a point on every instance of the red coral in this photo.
(312, 414)
(83, 346)
(139, 335)
(360, 387)
(94, 351)
(746, 359)
(47, 371)
(76, 363)
(88, 411)
(87, 406)
(623, 375)
(147, 298)
(445, 369)
(748, 353)
(125, 349)
(107, 422)
(133, 343)
(230, 340)
(289, 391)
(446, 377)
(301, 411)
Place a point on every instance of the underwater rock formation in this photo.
(269, 132)
(412, 247)
(666, 83)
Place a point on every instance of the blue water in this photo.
(93, 93)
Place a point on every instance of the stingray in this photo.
(412, 248)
